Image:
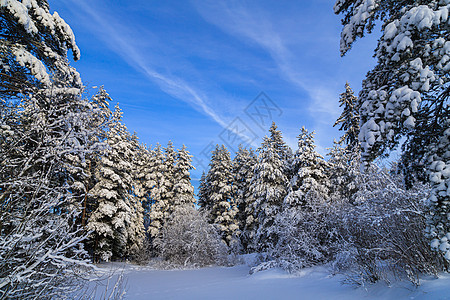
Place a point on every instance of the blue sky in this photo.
(202, 73)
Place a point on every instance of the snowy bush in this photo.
(306, 236)
(384, 233)
(188, 240)
(378, 235)
(143, 255)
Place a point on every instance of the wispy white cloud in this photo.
(257, 26)
(172, 85)
(116, 37)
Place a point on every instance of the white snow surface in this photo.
(236, 283)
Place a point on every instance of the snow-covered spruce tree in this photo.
(346, 154)
(280, 147)
(136, 232)
(43, 141)
(349, 119)
(173, 189)
(243, 164)
(222, 208)
(142, 186)
(269, 188)
(183, 191)
(310, 181)
(115, 232)
(168, 183)
(156, 174)
(203, 192)
(34, 45)
(163, 191)
(84, 167)
(301, 224)
(343, 170)
(406, 94)
(142, 179)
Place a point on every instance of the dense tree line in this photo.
(300, 209)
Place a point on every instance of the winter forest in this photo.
(79, 191)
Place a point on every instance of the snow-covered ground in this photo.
(236, 283)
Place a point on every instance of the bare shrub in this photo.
(144, 254)
(386, 231)
(188, 240)
(307, 236)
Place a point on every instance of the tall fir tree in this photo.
(220, 205)
(136, 231)
(345, 154)
(243, 164)
(183, 190)
(203, 193)
(269, 188)
(100, 120)
(142, 179)
(349, 119)
(164, 190)
(310, 180)
(280, 147)
(114, 226)
(170, 156)
(343, 169)
(156, 173)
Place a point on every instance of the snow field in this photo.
(236, 283)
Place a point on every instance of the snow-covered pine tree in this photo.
(310, 181)
(222, 208)
(243, 164)
(183, 191)
(168, 183)
(406, 94)
(343, 169)
(156, 173)
(345, 155)
(278, 143)
(115, 231)
(136, 232)
(99, 120)
(143, 179)
(163, 190)
(269, 188)
(203, 193)
(280, 147)
(34, 45)
(349, 119)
